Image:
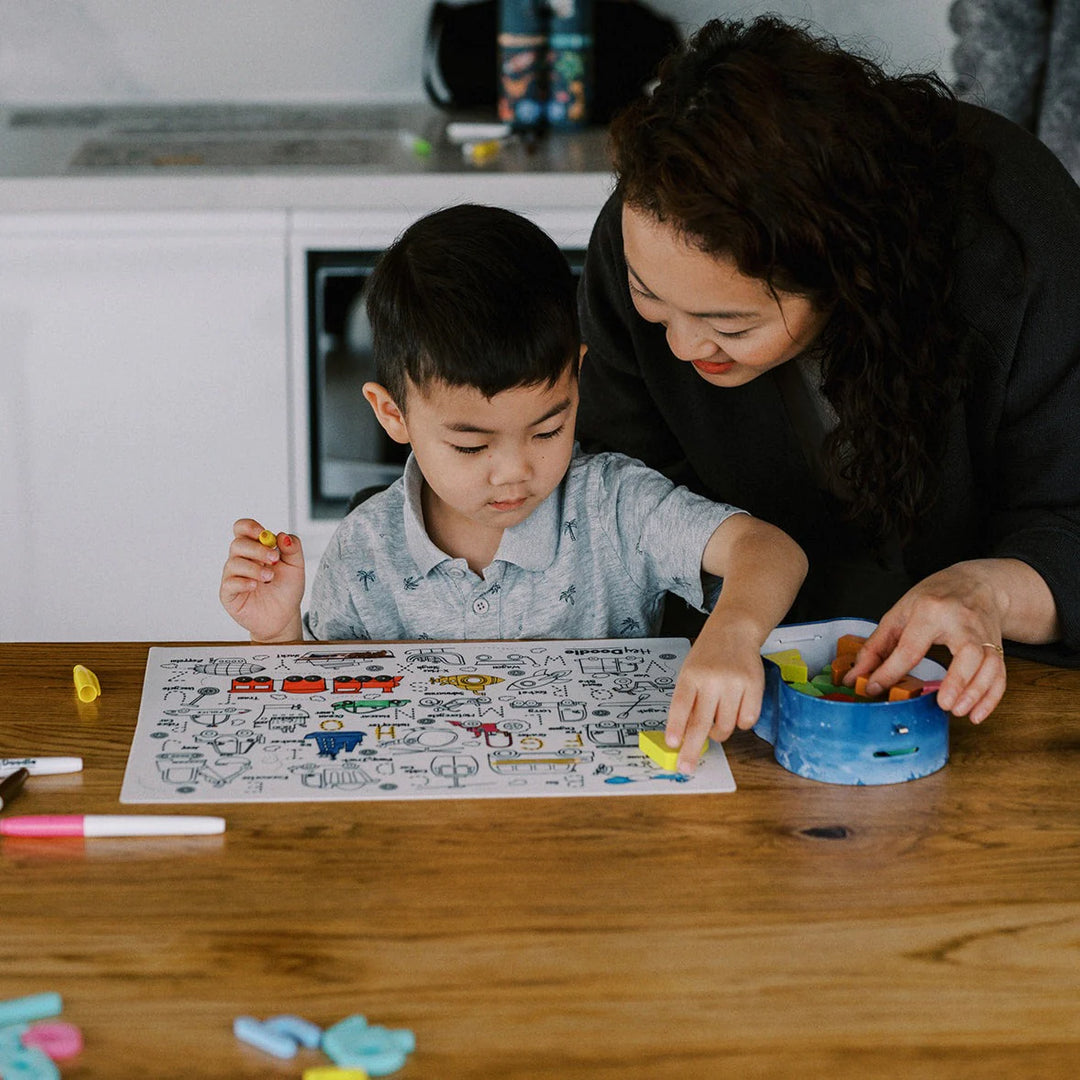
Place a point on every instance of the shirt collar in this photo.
(532, 544)
(424, 552)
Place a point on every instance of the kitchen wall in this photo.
(67, 51)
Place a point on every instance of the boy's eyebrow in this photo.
(696, 314)
(473, 429)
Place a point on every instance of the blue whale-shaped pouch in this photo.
(861, 742)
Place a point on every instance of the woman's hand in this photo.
(262, 588)
(963, 607)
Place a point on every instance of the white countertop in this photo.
(244, 157)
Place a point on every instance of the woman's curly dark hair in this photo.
(822, 176)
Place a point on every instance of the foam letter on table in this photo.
(249, 1030)
(791, 664)
(652, 744)
(378, 1050)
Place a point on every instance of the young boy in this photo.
(499, 527)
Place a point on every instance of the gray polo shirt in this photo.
(594, 560)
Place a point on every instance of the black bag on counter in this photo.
(461, 65)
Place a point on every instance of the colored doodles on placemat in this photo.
(414, 721)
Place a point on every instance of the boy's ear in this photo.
(386, 411)
(581, 355)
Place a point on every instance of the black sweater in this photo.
(1011, 485)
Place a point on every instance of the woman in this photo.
(851, 305)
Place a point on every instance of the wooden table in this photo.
(792, 929)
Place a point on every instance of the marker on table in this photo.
(56, 825)
(267, 538)
(40, 766)
(10, 786)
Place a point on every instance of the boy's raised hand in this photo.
(262, 588)
(719, 689)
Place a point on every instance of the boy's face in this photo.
(488, 462)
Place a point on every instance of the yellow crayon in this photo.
(86, 683)
(267, 538)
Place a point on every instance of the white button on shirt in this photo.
(480, 605)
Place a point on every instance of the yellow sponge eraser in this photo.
(792, 665)
(667, 757)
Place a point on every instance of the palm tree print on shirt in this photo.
(365, 577)
(568, 594)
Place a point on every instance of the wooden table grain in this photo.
(791, 929)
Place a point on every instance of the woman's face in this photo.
(729, 326)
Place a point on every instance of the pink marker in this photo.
(53, 825)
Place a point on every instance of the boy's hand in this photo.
(262, 588)
(719, 689)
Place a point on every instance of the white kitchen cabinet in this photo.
(143, 407)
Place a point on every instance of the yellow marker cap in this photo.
(267, 538)
(86, 683)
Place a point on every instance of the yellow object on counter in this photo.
(86, 683)
(480, 152)
(653, 744)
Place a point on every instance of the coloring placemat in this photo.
(423, 720)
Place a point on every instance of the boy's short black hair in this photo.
(472, 296)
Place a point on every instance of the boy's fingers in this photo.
(750, 707)
(710, 720)
(292, 551)
(682, 729)
(233, 587)
(240, 568)
(689, 757)
(690, 751)
(248, 527)
(682, 700)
